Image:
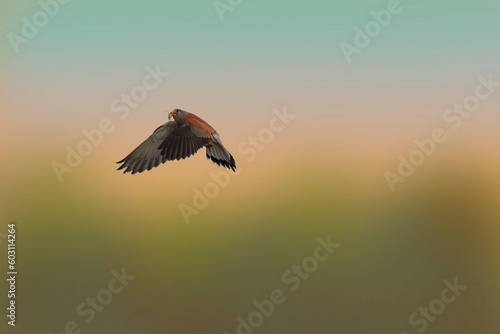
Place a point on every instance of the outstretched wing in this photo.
(148, 154)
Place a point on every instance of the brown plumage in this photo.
(176, 140)
(198, 123)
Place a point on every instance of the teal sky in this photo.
(257, 35)
(281, 52)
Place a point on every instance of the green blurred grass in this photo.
(396, 251)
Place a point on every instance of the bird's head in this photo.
(173, 113)
(177, 114)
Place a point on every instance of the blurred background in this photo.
(323, 175)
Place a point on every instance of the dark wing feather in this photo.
(219, 155)
(147, 155)
(182, 143)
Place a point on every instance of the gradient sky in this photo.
(263, 55)
(283, 52)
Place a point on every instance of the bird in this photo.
(176, 140)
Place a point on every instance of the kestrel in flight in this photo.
(175, 140)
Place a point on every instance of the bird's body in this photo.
(176, 140)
